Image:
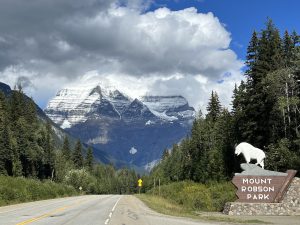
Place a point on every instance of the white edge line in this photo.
(113, 209)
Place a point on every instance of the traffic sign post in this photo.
(140, 184)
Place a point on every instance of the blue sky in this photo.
(242, 17)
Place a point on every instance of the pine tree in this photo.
(77, 155)
(66, 148)
(288, 47)
(17, 106)
(3, 147)
(214, 106)
(256, 112)
(6, 153)
(89, 161)
(49, 151)
(252, 56)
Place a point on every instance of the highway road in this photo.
(101, 210)
(82, 210)
(87, 210)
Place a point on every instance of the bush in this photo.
(19, 189)
(221, 193)
(81, 178)
(195, 196)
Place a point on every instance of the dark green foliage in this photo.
(49, 158)
(127, 181)
(89, 159)
(209, 197)
(16, 190)
(214, 106)
(66, 150)
(204, 156)
(77, 155)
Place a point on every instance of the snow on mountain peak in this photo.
(91, 97)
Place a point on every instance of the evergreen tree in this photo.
(6, 152)
(252, 56)
(214, 106)
(288, 47)
(77, 155)
(66, 148)
(49, 151)
(3, 147)
(89, 161)
(17, 106)
(256, 115)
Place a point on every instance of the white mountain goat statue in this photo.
(250, 152)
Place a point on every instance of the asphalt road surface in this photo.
(100, 210)
(82, 210)
(87, 210)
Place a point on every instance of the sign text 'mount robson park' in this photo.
(254, 189)
(260, 188)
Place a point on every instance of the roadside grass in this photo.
(193, 200)
(167, 207)
(163, 205)
(15, 190)
(209, 197)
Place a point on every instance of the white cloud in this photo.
(133, 151)
(158, 52)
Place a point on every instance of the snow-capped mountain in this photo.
(110, 120)
(75, 105)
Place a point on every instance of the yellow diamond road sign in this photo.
(140, 183)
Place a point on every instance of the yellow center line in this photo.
(49, 213)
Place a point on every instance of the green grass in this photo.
(190, 199)
(18, 189)
(164, 206)
(195, 196)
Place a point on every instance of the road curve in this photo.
(131, 211)
(82, 210)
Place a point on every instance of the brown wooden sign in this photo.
(262, 188)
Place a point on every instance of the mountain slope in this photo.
(135, 131)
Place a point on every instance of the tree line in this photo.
(28, 149)
(265, 112)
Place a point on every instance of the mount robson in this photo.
(134, 131)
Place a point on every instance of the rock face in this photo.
(111, 121)
(254, 170)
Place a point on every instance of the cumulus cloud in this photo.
(161, 52)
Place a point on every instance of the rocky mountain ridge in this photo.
(133, 130)
(75, 105)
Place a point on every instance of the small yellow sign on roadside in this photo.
(140, 182)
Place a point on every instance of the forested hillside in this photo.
(27, 149)
(265, 112)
